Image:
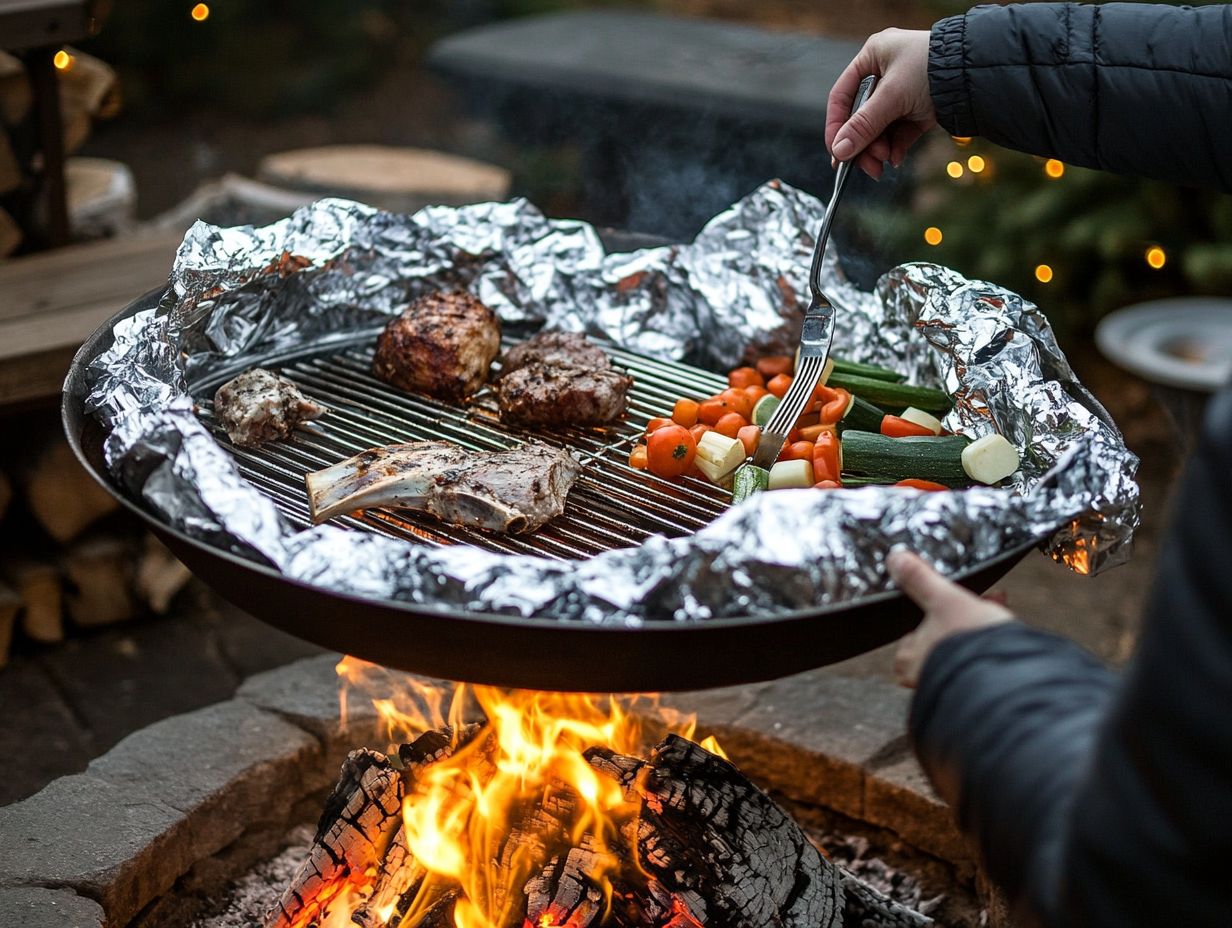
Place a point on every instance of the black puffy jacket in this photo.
(1097, 799)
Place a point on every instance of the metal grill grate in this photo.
(611, 506)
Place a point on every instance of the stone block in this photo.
(35, 907)
(112, 843)
(898, 796)
(227, 767)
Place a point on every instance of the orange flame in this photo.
(530, 745)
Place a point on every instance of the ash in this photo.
(852, 854)
(256, 892)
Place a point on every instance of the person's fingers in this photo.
(867, 123)
(879, 148)
(872, 166)
(842, 94)
(906, 661)
(924, 585)
(1000, 597)
(902, 136)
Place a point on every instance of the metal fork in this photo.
(818, 331)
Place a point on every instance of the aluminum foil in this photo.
(238, 296)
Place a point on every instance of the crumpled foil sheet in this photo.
(237, 296)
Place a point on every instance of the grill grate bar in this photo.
(612, 505)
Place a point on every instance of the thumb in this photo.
(866, 124)
(919, 581)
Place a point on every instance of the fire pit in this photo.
(164, 828)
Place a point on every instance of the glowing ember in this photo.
(485, 781)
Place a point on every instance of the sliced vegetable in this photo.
(670, 451)
(893, 395)
(827, 485)
(637, 457)
(827, 457)
(711, 411)
(749, 479)
(779, 385)
(764, 409)
(718, 456)
(990, 459)
(826, 372)
(790, 475)
(811, 432)
(935, 458)
(749, 436)
(731, 424)
(685, 412)
(851, 480)
(920, 417)
(898, 427)
(867, 370)
(836, 408)
(774, 365)
(860, 415)
(756, 393)
(927, 485)
(797, 451)
(745, 377)
(737, 401)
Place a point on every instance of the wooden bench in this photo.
(50, 303)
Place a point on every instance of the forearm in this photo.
(1004, 722)
(1133, 88)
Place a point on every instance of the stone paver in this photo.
(35, 907)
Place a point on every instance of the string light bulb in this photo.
(200, 12)
(933, 235)
(976, 164)
(1156, 257)
(62, 60)
(954, 169)
(1043, 273)
(1054, 168)
(962, 141)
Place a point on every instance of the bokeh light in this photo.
(954, 169)
(1043, 273)
(976, 164)
(1156, 257)
(1054, 168)
(62, 60)
(932, 235)
(201, 12)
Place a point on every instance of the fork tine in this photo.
(793, 405)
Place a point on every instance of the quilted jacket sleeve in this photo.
(1093, 800)
(1134, 88)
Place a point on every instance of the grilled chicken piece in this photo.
(559, 394)
(259, 406)
(442, 345)
(514, 491)
(555, 348)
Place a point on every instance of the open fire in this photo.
(522, 809)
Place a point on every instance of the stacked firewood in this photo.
(703, 848)
(88, 92)
(68, 559)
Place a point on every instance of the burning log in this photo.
(689, 843)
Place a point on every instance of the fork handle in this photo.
(840, 182)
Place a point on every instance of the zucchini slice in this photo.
(892, 395)
(749, 479)
(940, 459)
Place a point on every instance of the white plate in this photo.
(1184, 342)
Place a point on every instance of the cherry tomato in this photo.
(774, 365)
(779, 385)
(745, 377)
(711, 411)
(655, 424)
(685, 412)
(731, 424)
(670, 451)
(737, 401)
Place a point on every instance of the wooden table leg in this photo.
(41, 66)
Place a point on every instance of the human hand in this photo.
(948, 610)
(896, 115)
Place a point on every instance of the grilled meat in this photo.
(259, 406)
(442, 345)
(555, 348)
(514, 491)
(553, 395)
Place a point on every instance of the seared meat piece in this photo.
(259, 406)
(514, 491)
(571, 348)
(442, 345)
(548, 395)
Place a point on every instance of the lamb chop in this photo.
(259, 406)
(515, 491)
(555, 348)
(442, 345)
(559, 394)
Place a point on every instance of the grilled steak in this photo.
(514, 491)
(442, 345)
(559, 394)
(259, 406)
(555, 348)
